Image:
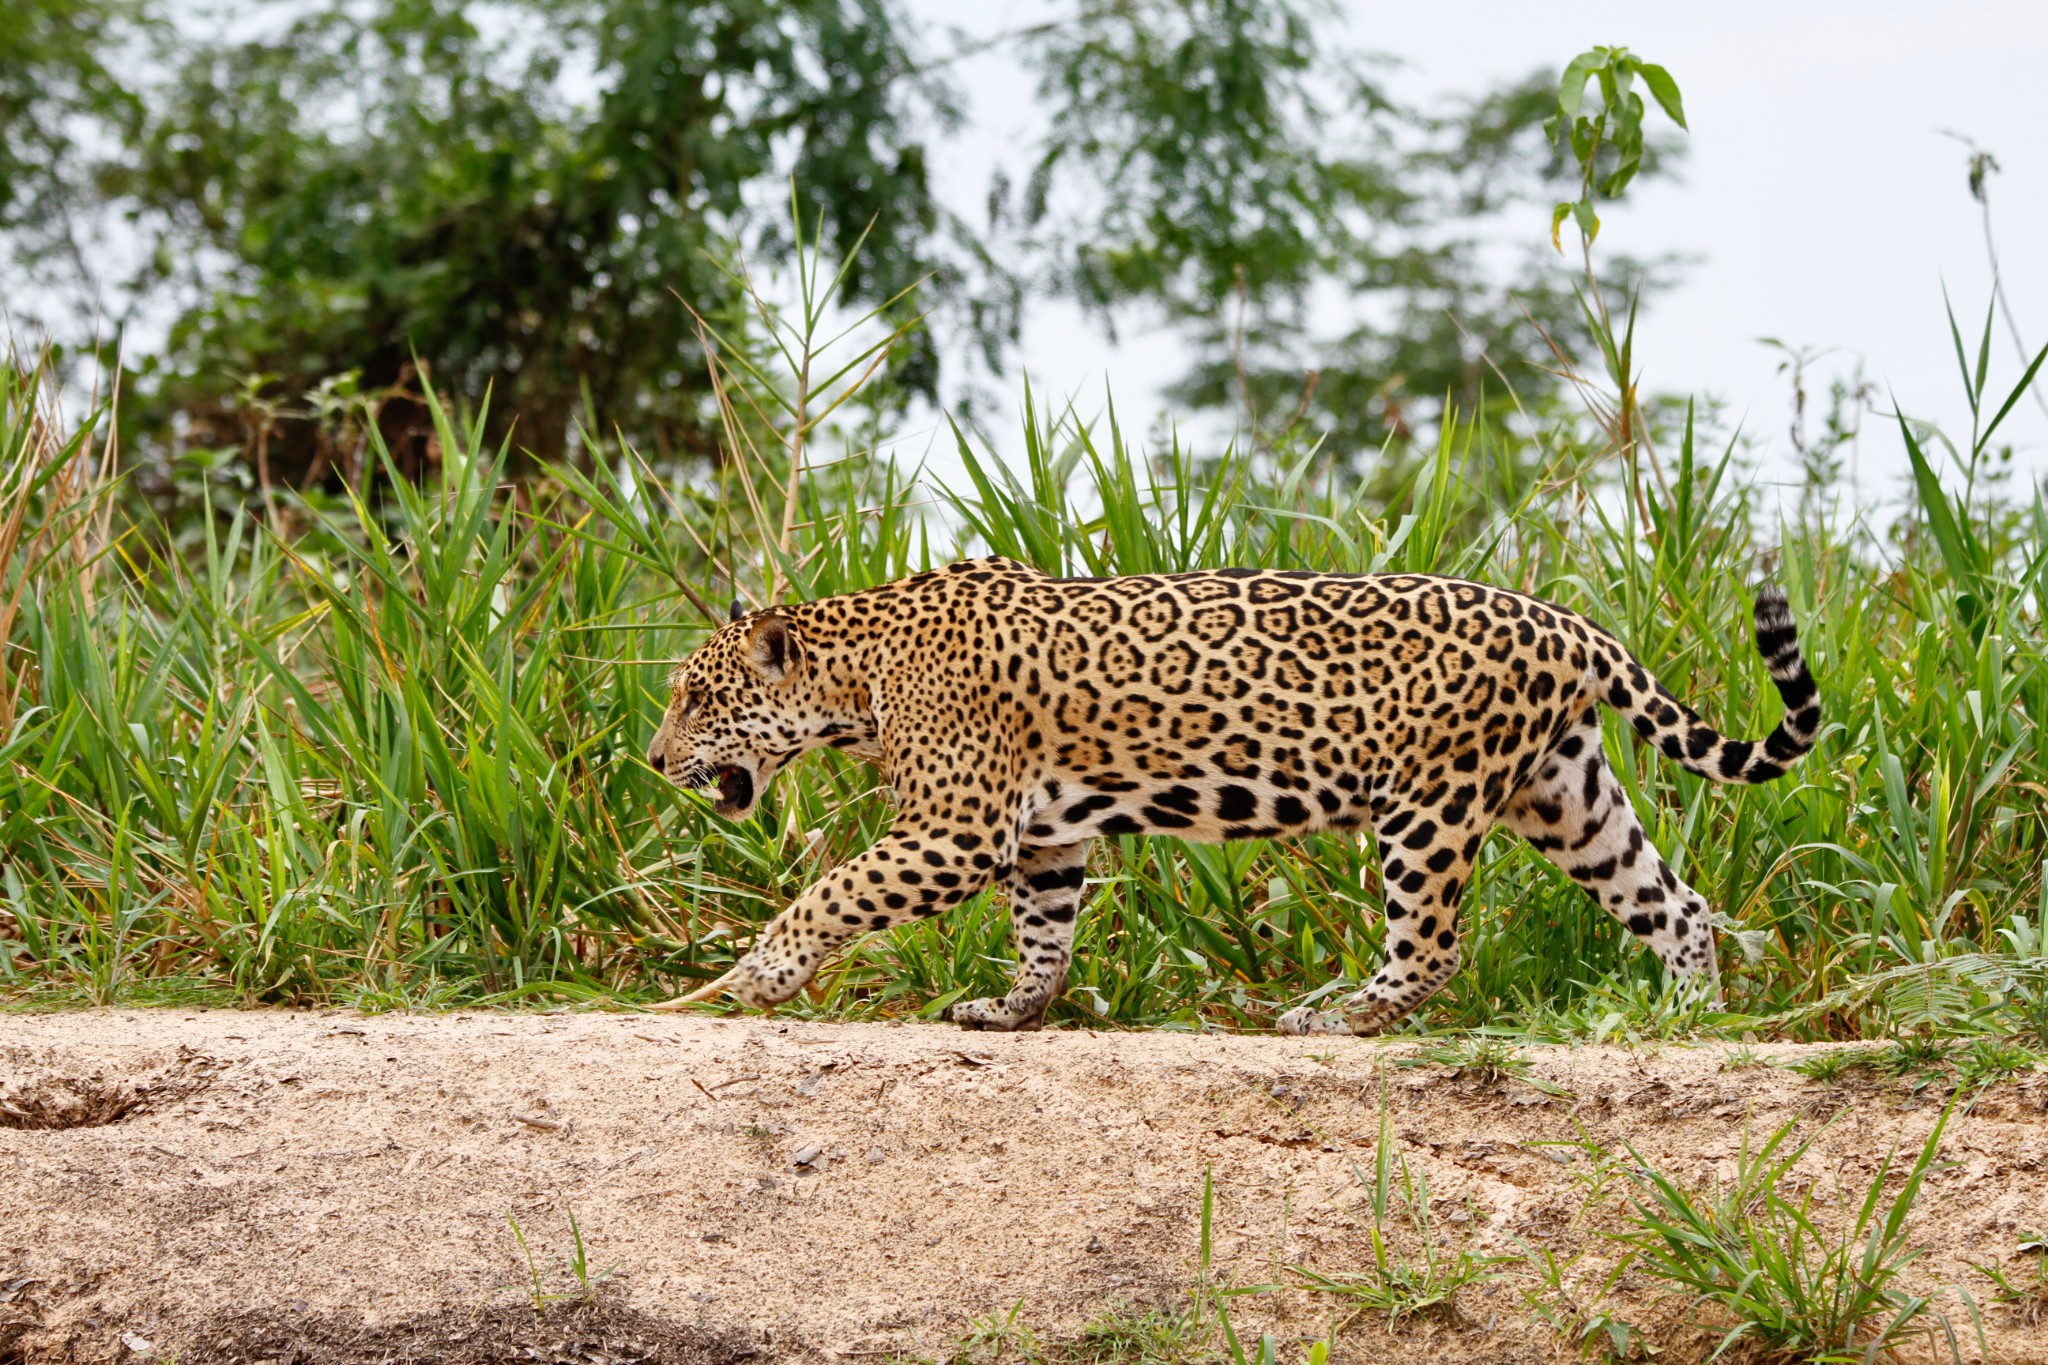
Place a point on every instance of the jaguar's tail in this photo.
(1678, 731)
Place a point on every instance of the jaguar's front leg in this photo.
(1045, 894)
(914, 871)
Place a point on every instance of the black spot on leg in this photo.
(1421, 835)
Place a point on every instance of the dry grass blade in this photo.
(700, 995)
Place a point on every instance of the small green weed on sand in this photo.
(1196, 1331)
(1987, 1061)
(1486, 1059)
(1923, 1061)
(1596, 1332)
(1401, 1282)
(587, 1284)
(1834, 1065)
(2023, 1290)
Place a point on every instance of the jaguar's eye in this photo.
(692, 703)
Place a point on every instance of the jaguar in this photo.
(1019, 716)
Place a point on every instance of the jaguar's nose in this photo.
(656, 759)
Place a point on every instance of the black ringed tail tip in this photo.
(1675, 729)
(1778, 641)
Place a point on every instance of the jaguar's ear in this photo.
(739, 609)
(773, 647)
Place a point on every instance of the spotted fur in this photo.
(1019, 716)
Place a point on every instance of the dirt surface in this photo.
(327, 1186)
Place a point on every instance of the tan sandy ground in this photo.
(300, 1177)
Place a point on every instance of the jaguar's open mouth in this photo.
(735, 790)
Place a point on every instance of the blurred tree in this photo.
(523, 192)
(1223, 167)
(59, 98)
(520, 192)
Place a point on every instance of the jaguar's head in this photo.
(748, 701)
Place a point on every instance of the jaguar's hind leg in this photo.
(1426, 867)
(1045, 894)
(1574, 811)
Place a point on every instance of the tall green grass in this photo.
(388, 752)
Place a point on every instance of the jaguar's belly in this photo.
(1206, 810)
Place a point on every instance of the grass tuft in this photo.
(1775, 1266)
(1414, 1273)
(1488, 1060)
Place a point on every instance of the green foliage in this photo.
(1923, 1060)
(1213, 163)
(386, 748)
(1987, 1061)
(523, 194)
(1778, 1268)
(59, 86)
(1832, 1066)
(526, 195)
(1617, 126)
(389, 753)
(1551, 1299)
(1202, 115)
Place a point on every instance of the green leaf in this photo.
(1557, 217)
(1666, 92)
(1589, 221)
(1984, 349)
(1962, 356)
(1571, 87)
(1949, 537)
(1586, 137)
(2013, 397)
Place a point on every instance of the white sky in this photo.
(1820, 199)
